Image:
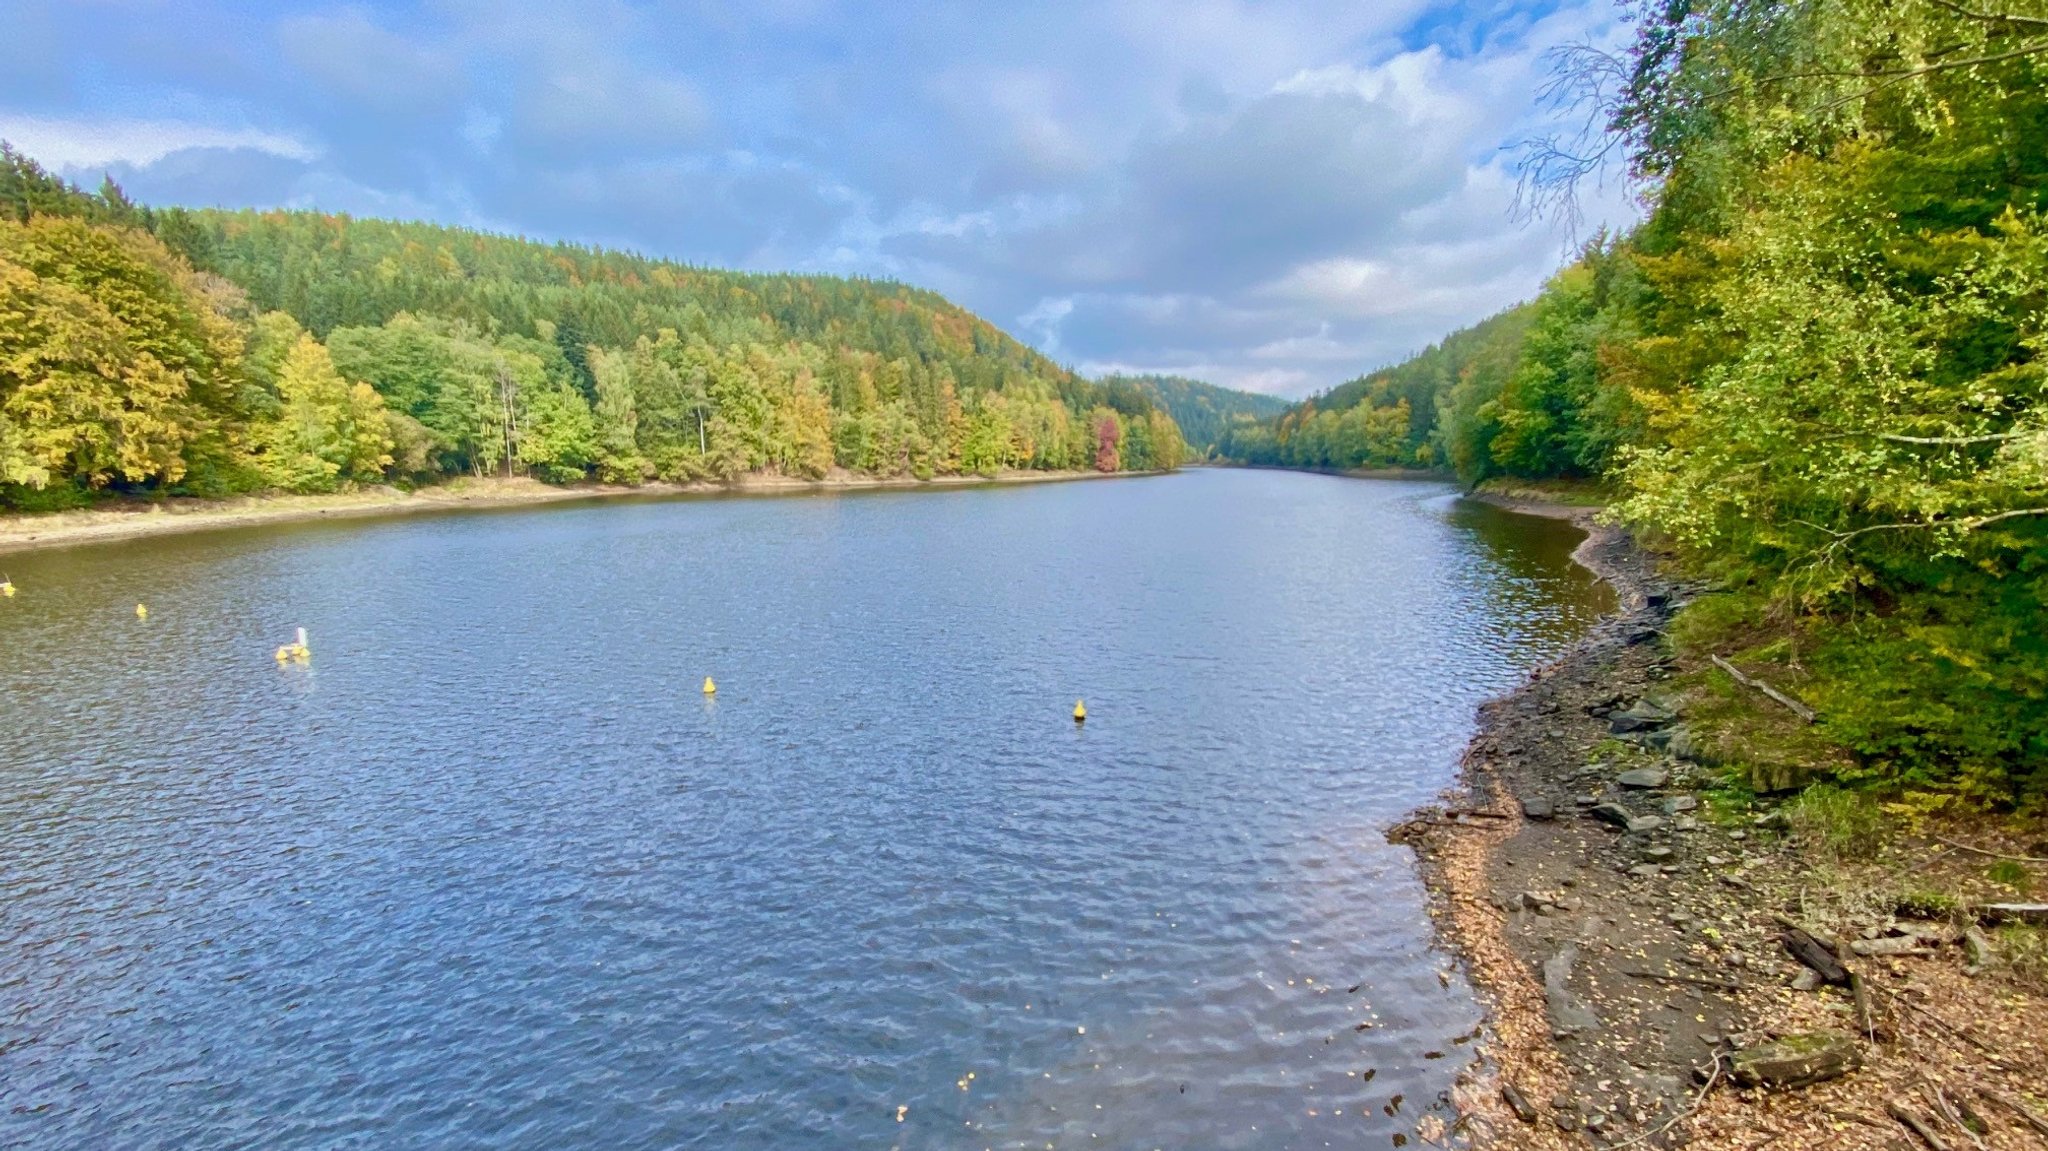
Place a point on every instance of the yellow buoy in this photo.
(7, 588)
(1080, 712)
(284, 654)
(141, 611)
(709, 687)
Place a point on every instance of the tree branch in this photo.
(1990, 17)
(1953, 440)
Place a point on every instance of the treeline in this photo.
(1204, 412)
(212, 353)
(1818, 370)
(1393, 418)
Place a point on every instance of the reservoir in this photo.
(490, 871)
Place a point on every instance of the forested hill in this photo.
(218, 352)
(1204, 411)
(1817, 372)
(1405, 416)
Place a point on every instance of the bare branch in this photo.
(1955, 441)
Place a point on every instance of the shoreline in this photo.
(180, 515)
(1622, 921)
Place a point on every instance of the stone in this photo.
(1685, 823)
(1646, 871)
(1644, 824)
(1679, 804)
(1799, 1060)
(1613, 813)
(1660, 853)
(1585, 800)
(1899, 945)
(1643, 777)
(1976, 951)
(1806, 980)
(1643, 715)
(1519, 1103)
(1539, 808)
(1682, 745)
(1567, 1014)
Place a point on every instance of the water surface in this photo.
(490, 872)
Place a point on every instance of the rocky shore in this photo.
(1638, 938)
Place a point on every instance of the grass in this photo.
(2022, 951)
(2008, 873)
(1837, 822)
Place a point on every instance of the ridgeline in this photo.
(214, 353)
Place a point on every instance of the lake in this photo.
(490, 871)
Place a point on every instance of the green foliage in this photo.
(1818, 370)
(1204, 412)
(309, 352)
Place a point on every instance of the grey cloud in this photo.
(213, 177)
(350, 57)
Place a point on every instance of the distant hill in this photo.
(213, 352)
(1412, 414)
(1203, 411)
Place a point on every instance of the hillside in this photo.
(1413, 414)
(210, 353)
(1205, 412)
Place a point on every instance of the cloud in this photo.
(350, 57)
(93, 143)
(1271, 193)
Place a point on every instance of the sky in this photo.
(1277, 196)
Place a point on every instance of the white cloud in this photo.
(93, 143)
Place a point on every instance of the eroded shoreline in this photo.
(176, 516)
(1626, 939)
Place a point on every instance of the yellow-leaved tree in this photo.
(330, 431)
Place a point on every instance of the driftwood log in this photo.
(1799, 709)
(1815, 954)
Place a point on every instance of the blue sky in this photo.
(1271, 195)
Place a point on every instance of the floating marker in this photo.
(709, 687)
(296, 651)
(141, 611)
(1080, 712)
(7, 588)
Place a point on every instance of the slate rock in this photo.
(1678, 804)
(1797, 1060)
(1567, 1014)
(1643, 824)
(1613, 813)
(1646, 871)
(1539, 808)
(1657, 854)
(1643, 777)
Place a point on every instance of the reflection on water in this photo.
(490, 870)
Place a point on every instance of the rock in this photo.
(1519, 1103)
(1660, 853)
(1643, 777)
(1685, 823)
(1539, 809)
(1644, 824)
(1900, 945)
(1796, 1060)
(1585, 800)
(1682, 745)
(1806, 980)
(1679, 804)
(1646, 871)
(1567, 1015)
(1613, 813)
(1641, 717)
(1976, 951)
